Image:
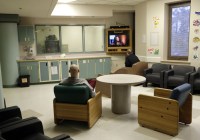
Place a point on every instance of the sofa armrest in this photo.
(10, 112)
(23, 128)
(62, 137)
(146, 71)
(193, 76)
(187, 76)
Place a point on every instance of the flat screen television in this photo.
(118, 40)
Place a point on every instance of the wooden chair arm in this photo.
(95, 109)
(162, 92)
(159, 104)
(157, 113)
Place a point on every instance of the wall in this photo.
(155, 30)
(118, 18)
(140, 30)
(1, 91)
(195, 8)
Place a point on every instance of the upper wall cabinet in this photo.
(26, 34)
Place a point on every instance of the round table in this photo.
(121, 90)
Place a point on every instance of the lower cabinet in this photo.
(64, 69)
(56, 70)
(49, 71)
(30, 68)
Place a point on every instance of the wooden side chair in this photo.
(75, 103)
(166, 109)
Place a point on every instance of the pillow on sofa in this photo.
(181, 93)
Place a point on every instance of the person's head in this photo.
(74, 70)
(129, 52)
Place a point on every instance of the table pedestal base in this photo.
(121, 99)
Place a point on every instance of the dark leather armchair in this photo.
(178, 75)
(28, 129)
(195, 81)
(13, 127)
(155, 74)
(9, 115)
(75, 103)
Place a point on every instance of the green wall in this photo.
(9, 53)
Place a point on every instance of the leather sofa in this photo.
(9, 115)
(13, 127)
(137, 68)
(28, 129)
(75, 103)
(178, 75)
(195, 81)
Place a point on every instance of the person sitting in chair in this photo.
(130, 59)
(74, 80)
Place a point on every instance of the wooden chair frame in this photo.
(162, 114)
(89, 112)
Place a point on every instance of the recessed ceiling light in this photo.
(65, 1)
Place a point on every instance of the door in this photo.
(54, 70)
(64, 70)
(83, 67)
(44, 71)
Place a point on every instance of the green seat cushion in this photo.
(74, 94)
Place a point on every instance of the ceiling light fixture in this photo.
(65, 1)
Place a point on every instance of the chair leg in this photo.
(58, 121)
(145, 84)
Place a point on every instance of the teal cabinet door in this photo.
(92, 68)
(73, 62)
(64, 70)
(23, 68)
(107, 66)
(26, 34)
(83, 67)
(30, 68)
(44, 71)
(34, 72)
(21, 34)
(54, 70)
(99, 66)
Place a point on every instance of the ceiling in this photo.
(43, 8)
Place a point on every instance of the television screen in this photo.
(118, 39)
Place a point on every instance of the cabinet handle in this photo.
(46, 64)
(66, 63)
(51, 63)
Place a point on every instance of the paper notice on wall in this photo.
(54, 70)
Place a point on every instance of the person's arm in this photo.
(91, 88)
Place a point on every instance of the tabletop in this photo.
(121, 79)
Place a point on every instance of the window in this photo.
(179, 27)
(72, 39)
(69, 39)
(94, 38)
(47, 39)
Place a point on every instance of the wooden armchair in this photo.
(75, 104)
(163, 114)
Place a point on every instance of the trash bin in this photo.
(24, 80)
